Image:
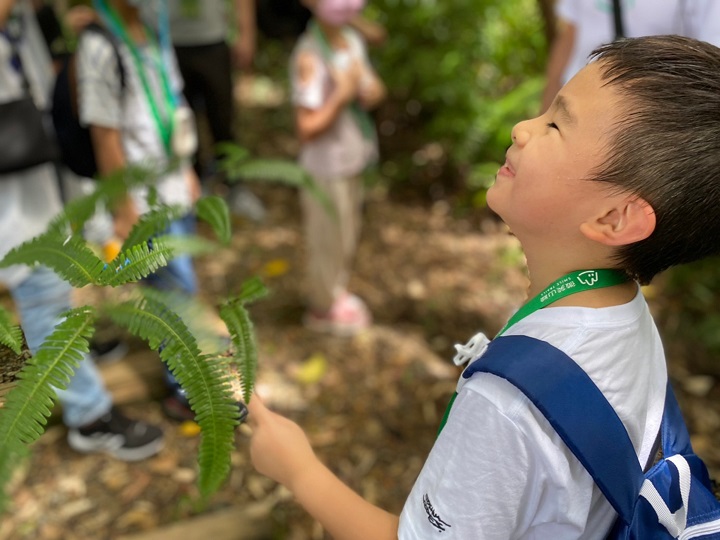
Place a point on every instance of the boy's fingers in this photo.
(256, 410)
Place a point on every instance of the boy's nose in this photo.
(521, 133)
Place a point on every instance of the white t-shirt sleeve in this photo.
(98, 82)
(567, 10)
(479, 479)
(308, 79)
(702, 20)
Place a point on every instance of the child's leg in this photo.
(40, 301)
(179, 274)
(331, 245)
(327, 243)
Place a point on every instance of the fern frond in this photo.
(68, 256)
(237, 319)
(10, 333)
(214, 211)
(194, 314)
(29, 403)
(75, 214)
(203, 378)
(188, 244)
(152, 224)
(252, 289)
(138, 262)
(232, 153)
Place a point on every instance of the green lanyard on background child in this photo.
(164, 125)
(574, 282)
(360, 115)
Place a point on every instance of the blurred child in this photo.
(333, 87)
(134, 108)
(620, 177)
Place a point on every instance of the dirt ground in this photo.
(371, 404)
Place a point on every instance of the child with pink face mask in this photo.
(333, 88)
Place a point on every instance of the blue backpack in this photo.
(673, 499)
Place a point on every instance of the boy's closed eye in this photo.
(552, 125)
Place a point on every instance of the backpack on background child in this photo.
(73, 138)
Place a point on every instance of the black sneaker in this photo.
(176, 406)
(119, 436)
(109, 351)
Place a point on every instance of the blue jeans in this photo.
(40, 300)
(179, 274)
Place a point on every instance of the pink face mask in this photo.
(338, 12)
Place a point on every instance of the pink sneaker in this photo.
(348, 316)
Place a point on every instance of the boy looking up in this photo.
(620, 178)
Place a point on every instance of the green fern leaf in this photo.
(238, 321)
(152, 224)
(10, 333)
(251, 290)
(29, 403)
(203, 378)
(74, 215)
(194, 314)
(188, 244)
(138, 262)
(214, 211)
(69, 257)
(232, 153)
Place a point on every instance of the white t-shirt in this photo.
(341, 150)
(499, 471)
(28, 199)
(102, 102)
(593, 21)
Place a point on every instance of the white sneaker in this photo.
(245, 203)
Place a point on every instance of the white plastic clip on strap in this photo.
(471, 350)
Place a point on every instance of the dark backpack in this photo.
(673, 499)
(74, 139)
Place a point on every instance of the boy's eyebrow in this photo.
(561, 105)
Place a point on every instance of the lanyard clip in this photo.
(471, 350)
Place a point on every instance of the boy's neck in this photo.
(541, 278)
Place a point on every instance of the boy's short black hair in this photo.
(666, 148)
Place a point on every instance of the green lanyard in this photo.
(164, 126)
(572, 283)
(360, 115)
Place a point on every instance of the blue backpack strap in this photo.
(575, 408)
(674, 432)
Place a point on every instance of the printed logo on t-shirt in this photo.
(433, 517)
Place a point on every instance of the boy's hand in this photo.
(279, 448)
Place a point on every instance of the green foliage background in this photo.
(461, 73)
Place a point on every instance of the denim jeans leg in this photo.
(179, 274)
(40, 300)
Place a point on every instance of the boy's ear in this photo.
(631, 220)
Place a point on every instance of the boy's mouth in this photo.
(506, 169)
